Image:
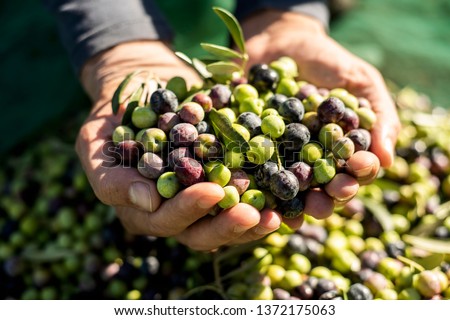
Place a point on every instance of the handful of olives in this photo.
(266, 138)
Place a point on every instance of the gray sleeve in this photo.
(88, 27)
(315, 8)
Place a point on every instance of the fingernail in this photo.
(364, 172)
(139, 193)
(262, 231)
(389, 147)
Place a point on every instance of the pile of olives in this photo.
(266, 139)
(391, 242)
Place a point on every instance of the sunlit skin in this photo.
(141, 210)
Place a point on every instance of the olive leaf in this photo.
(223, 128)
(221, 52)
(223, 68)
(428, 244)
(184, 57)
(132, 104)
(380, 213)
(233, 27)
(201, 68)
(116, 99)
(430, 262)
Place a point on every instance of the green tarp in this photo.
(408, 40)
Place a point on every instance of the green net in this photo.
(408, 40)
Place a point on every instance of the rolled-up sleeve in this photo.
(314, 8)
(88, 27)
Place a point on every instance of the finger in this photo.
(387, 127)
(342, 188)
(318, 204)
(212, 232)
(363, 166)
(176, 214)
(270, 221)
(294, 223)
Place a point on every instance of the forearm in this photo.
(90, 27)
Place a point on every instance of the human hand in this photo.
(135, 198)
(324, 63)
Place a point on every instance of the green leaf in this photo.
(116, 99)
(233, 27)
(380, 213)
(184, 57)
(201, 69)
(223, 128)
(132, 104)
(223, 68)
(221, 52)
(431, 261)
(431, 245)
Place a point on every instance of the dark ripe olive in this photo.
(331, 110)
(284, 184)
(281, 294)
(292, 208)
(151, 165)
(361, 139)
(251, 121)
(276, 101)
(177, 154)
(189, 171)
(220, 95)
(395, 249)
(330, 295)
(263, 174)
(370, 258)
(304, 174)
(163, 100)
(304, 291)
(324, 285)
(295, 136)
(359, 291)
(264, 79)
(168, 120)
(349, 121)
(292, 110)
(297, 244)
(183, 135)
(203, 127)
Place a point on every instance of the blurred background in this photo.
(48, 214)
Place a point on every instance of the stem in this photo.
(411, 263)
(216, 269)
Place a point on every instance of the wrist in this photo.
(101, 75)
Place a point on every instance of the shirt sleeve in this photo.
(314, 8)
(88, 27)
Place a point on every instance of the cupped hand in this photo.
(324, 63)
(137, 202)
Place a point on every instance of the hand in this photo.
(324, 63)
(135, 198)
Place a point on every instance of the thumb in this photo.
(114, 185)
